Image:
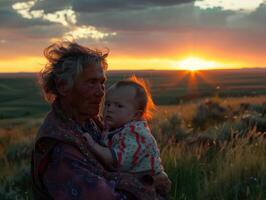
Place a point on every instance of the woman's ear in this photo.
(61, 87)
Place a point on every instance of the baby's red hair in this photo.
(143, 95)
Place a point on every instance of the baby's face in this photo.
(119, 106)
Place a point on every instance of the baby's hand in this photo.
(162, 183)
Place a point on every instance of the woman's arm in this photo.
(103, 153)
(70, 176)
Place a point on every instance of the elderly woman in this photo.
(62, 165)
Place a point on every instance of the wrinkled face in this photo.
(120, 106)
(87, 93)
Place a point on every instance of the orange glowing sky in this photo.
(148, 34)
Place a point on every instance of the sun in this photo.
(194, 64)
(193, 68)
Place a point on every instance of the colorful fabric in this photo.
(63, 167)
(134, 148)
(70, 176)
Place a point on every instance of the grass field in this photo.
(212, 140)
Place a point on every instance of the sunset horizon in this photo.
(189, 63)
(175, 35)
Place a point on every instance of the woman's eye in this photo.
(92, 81)
(103, 82)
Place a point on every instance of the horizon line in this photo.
(108, 70)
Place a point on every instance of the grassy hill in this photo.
(21, 97)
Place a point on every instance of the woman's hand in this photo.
(102, 153)
(89, 139)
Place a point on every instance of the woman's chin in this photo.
(89, 115)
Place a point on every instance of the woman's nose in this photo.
(100, 90)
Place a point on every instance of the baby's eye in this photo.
(120, 106)
(107, 104)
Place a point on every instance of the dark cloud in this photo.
(104, 5)
(255, 19)
(134, 15)
(120, 5)
(163, 19)
(50, 6)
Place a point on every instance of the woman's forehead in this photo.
(93, 71)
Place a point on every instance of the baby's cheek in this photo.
(109, 123)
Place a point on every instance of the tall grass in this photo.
(234, 170)
(225, 160)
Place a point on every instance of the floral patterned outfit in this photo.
(134, 149)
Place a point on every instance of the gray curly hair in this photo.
(66, 60)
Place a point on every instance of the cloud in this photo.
(66, 17)
(24, 8)
(244, 6)
(87, 32)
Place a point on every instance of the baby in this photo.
(128, 144)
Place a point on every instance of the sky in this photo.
(140, 34)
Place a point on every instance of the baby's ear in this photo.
(138, 114)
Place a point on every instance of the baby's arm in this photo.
(102, 153)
